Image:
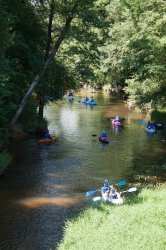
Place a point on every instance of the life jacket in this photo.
(105, 187)
(114, 195)
(104, 134)
(47, 135)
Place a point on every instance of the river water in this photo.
(46, 184)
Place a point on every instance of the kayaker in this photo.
(117, 119)
(104, 134)
(105, 188)
(47, 135)
(150, 126)
(92, 100)
(113, 193)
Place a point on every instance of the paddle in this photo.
(98, 198)
(91, 192)
(130, 190)
(121, 183)
(54, 137)
(143, 122)
(112, 118)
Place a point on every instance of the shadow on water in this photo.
(46, 184)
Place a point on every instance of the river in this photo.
(46, 184)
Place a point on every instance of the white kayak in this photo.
(118, 201)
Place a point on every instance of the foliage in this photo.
(28, 118)
(135, 48)
(5, 160)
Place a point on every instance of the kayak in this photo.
(118, 201)
(114, 123)
(91, 103)
(87, 102)
(150, 130)
(47, 140)
(82, 101)
(104, 140)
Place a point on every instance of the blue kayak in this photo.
(87, 102)
(150, 130)
(92, 103)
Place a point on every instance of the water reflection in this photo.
(37, 202)
(116, 129)
(69, 120)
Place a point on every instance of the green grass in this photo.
(140, 224)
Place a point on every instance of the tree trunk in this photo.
(48, 48)
(42, 72)
(41, 107)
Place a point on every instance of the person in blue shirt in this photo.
(150, 126)
(92, 100)
(104, 134)
(113, 193)
(117, 119)
(47, 135)
(105, 187)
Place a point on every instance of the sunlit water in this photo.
(46, 184)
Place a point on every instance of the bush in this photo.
(5, 160)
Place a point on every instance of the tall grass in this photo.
(138, 225)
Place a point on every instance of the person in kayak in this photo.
(117, 119)
(150, 126)
(104, 134)
(105, 188)
(47, 135)
(71, 94)
(92, 100)
(113, 193)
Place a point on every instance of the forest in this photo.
(49, 47)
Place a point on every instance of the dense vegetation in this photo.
(53, 46)
(138, 224)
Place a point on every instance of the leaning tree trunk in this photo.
(42, 72)
(48, 48)
(41, 106)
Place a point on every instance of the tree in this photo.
(78, 9)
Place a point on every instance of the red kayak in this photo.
(114, 123)
(48, 140)
(104, 140)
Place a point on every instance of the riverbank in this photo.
(138, 224)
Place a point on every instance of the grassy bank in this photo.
(139, 224)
